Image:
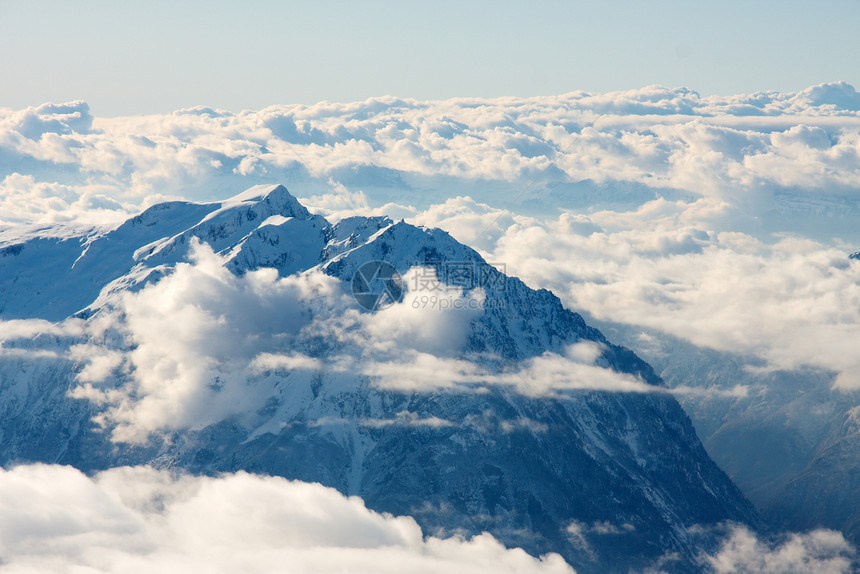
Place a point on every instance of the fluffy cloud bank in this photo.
(741, 149)
(679, 267)
(136, 519)
(196, 339)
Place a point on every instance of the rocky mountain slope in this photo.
(789, 441)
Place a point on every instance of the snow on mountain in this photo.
(219, 337)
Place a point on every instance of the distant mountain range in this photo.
(790, 442)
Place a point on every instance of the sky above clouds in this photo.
(156, 56)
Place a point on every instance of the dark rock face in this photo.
(610, 480)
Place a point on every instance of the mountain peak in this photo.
(275, 196)
(257, 193)
(64, 271)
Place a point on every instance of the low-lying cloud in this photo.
(820, 551)
(182, 352)
(137, 519)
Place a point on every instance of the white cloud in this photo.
(98, 361)
(17, 329)
(25, 200)
(432, 318)
(409, 419)
(791, 302)
(34, 339)
(819, 551)
(32, 123)
(550, 374)
(136, 519)
(195, 340)
(658, 137)
(290, 362)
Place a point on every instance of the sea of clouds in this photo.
(744, 150)
(723, 221)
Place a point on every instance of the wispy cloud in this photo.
(824, 551)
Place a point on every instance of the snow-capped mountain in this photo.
(486, 406)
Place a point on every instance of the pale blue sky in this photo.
(157, 56)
